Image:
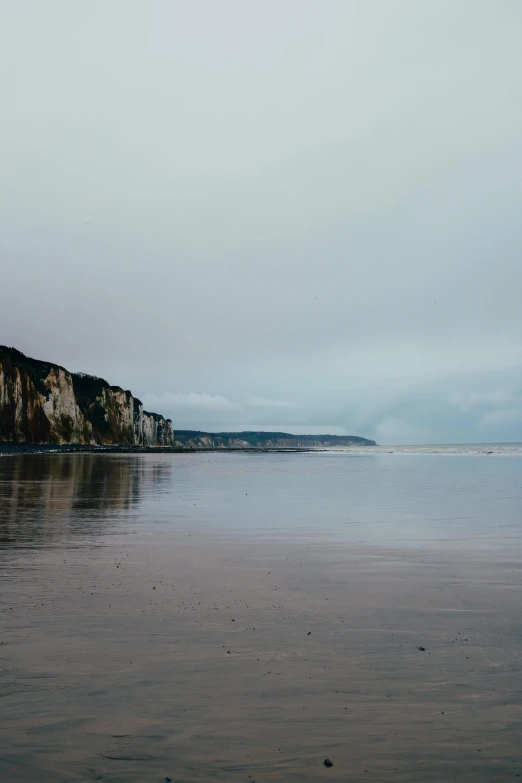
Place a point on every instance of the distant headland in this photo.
(44, 407)
(194, 439)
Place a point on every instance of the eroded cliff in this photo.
(44, 403)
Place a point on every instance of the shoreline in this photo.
(452, 450)
(13, 449)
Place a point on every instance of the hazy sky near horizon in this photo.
(281, 215)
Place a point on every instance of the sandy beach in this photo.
(134, 649)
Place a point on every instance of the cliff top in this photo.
(37, 369)
(40, 369)
(86, 387)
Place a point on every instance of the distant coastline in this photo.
(248, 439)
(46, 408)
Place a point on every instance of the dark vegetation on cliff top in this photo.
(86, 387)
(36, 369)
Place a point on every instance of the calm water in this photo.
(241, 617)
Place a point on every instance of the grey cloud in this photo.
(265, 402)
(507, 416)
(496, 398)
(193, 401)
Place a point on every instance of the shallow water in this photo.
(241, 617)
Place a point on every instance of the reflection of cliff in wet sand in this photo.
(54, 494)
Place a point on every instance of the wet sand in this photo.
(192, 652)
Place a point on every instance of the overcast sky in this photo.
(274, 215)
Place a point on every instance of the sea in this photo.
(247, 616)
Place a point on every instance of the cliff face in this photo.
(44, 403)
(193, 439)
